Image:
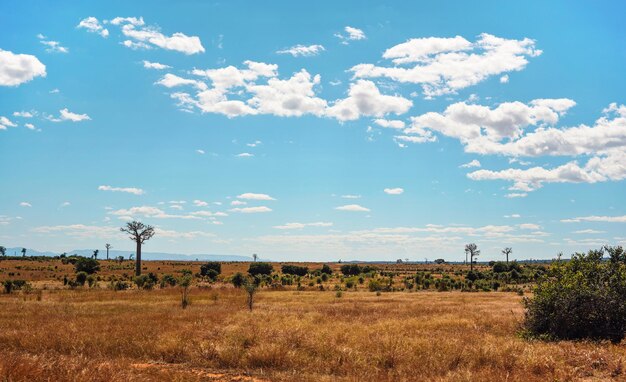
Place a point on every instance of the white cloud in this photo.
(148, 36)
(353, 208)
(604, 219)
(171, 80)
(130, 190)
(445, 65)
(16, 69)
(504, 79)
(53, 46)
(25, 204)
(303, 50)
(351, 33)
(81, 231)
(5, 122)
(148, 212)
(254, 144)
(238, 203)
(252, 196)
(251, 210)
(473, 163)
(201, 152)
(244, 155)
(65, 204)
(67, 115)
(364, 99)
(394, 124)
(529, 226)
(91, 24)
(514, 195)
(24, 114)
(29, 126)
(351, 196)
(155, 65)
(588, 232)
(291, 226)
(200, 203)
(513, 216)
(394, 191)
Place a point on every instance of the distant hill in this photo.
(16, 251)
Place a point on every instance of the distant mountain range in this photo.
(17, 251)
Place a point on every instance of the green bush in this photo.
(81, 277)
(144, 282)
(168, 279)
(214, 266)
(584, 298)
(500, 267)
(351, 269)
(260, 269)
(238, 279)
(326, 269)
(294, 270)
(87, 265)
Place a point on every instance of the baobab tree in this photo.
(108, 246)
(23, 252)
(472, 250)
(3, 251)
(95, 254)
(139, 233)
(506, 252)
(254, 257)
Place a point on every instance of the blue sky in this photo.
(334, 130)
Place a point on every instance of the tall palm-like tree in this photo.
(506, 252)
(23, 252)
(139, 233)
(108, 246)
(473, 251)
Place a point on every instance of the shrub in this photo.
(294, 270)
(144, 282)
(212, 274)
(584, 298)
(81, 277)
(351, 269)
(238, 279)
(211, 266)
(91, 281)
(168, 279)
(375, 286)
(326, 269)
(500, 267)
(260, 269)
(119, 285)
(87, 265)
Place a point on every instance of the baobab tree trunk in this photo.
(138, 259)
(107, 253)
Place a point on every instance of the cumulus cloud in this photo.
(473, 163)
(5, 122)
(394, 191)
(350, 34)
(303, 50)
(446, 65)
(148, 212)
(25, 204)
(251, 210)
(244, 155)
(53, 46)
(364, 99)
(393, 124)
(200, 203)
(293, 226)
(593, 218)
(23, 114)
(353, 208)
(252, 196)
(129, 190)
(16, 69)
(257, 89)
(92, 25)
(145, 36)
(154, 65)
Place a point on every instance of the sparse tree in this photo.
(254, 257)
(251, 289)
(23, 252)
(506, 252)
(95, 254)
(139, 233)
(108, 246)
(473, 251)
(185, 283)
(3, 251)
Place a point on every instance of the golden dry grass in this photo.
(290, 336)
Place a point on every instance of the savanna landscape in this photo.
(326, 191)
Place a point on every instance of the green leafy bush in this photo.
(584, 298)
(260, 269)
(294, 270)
(87, 265)
(214, 266)
(351, 269)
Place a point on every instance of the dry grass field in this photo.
(137, 335)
